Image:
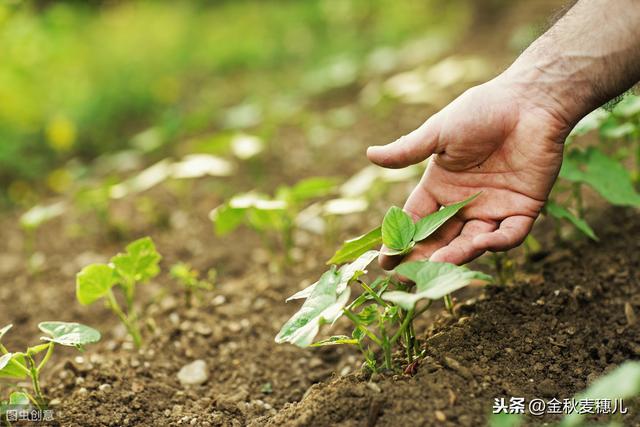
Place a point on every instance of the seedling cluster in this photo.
(137, 265)
(30, 364)
(383, 313)
(191, 282)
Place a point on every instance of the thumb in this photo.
(409, 149)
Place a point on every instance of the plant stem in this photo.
(405, 323)
(46, 358)
(370, 334)
(131, 326)
(577, 196)
(448, 303)
(373, 294)
(35, 381)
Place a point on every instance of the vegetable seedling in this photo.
(138, 264)
(191, 282)
(23, 365)
(271, 214)
(383, 314)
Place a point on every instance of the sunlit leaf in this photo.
(604, 174)
(335, 340)
(9, 366)
(246, 146)
(19, 398)
(324, 305)
(69, 334)
(199, 165)
(4, 330)
(614, 129)
(352, 249)
(94, 282)
(398, 229)
(429, 224)
(38, 215)
(345, 206)
(226, 219)
(139, 263)
(434, 280)
(560, 212)
(629, 106)
(310, 188)
(347, 272)
(621, 383)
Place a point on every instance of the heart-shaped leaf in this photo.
(19, 398)
(139, 263)
(69, 334)
(434, 280)
(9, 365)
(226, 218)
(94, 282)
(347, 272)
(398, 229)
(560, 212)
(324, 305)
(430, 223)
(352, 249)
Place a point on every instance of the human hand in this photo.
(495, 138)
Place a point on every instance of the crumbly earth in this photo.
(549, 334)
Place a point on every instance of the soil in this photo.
(561, 324)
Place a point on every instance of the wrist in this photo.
(546, 84)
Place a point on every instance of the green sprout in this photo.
(271, 214)
(126, 270)
(383, 314)
(25, 365)
(191, 282)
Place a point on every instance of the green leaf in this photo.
(139, 263)
(310, 188)
(335, 340)
(347, 272)
(398, 229)
(9, 366)
(352, 249)
(430, 223)
(410, 269)
(267, 219)
(629, 106)
(19, 398)
(560, 212)
(368, 315)
(324, 305)
(505, 420)
(621, 383)
(604, 174)
(94, 282)
(69, 334)
(226, 218)
(4, 330)
(434, 280)
(612, 128)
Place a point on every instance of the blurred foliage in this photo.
(78, 79)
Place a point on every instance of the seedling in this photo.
(191, 282)
(24, 365)
(126, 270)
(384, 312)
(271, 214)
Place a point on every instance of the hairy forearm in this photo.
(589, 56)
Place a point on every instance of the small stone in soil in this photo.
(105, 388)
(440, 416)
(195, 373)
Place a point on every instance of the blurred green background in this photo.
(82, 78)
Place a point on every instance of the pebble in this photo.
(315, 362)
(440, 416)
(82, 391)
(202, 329)
(105, 388)
(219, 300)
(193, 421)
(195, 373)
(374, 387)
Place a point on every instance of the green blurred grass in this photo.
(78, 80)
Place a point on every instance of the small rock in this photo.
(630, 314)
(547, 388)
(219, 300)
(440, 416)
(167, 412)
(374, 387)
(137, 387)
(193, 421)
(79, 380)
(195, 373)
(315, 362)
(105, 388)
(202, 329)
(82, 390)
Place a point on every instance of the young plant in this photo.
(271, 214)
(383, 314)
(24, 365)
(191, 282)
(138, 264)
